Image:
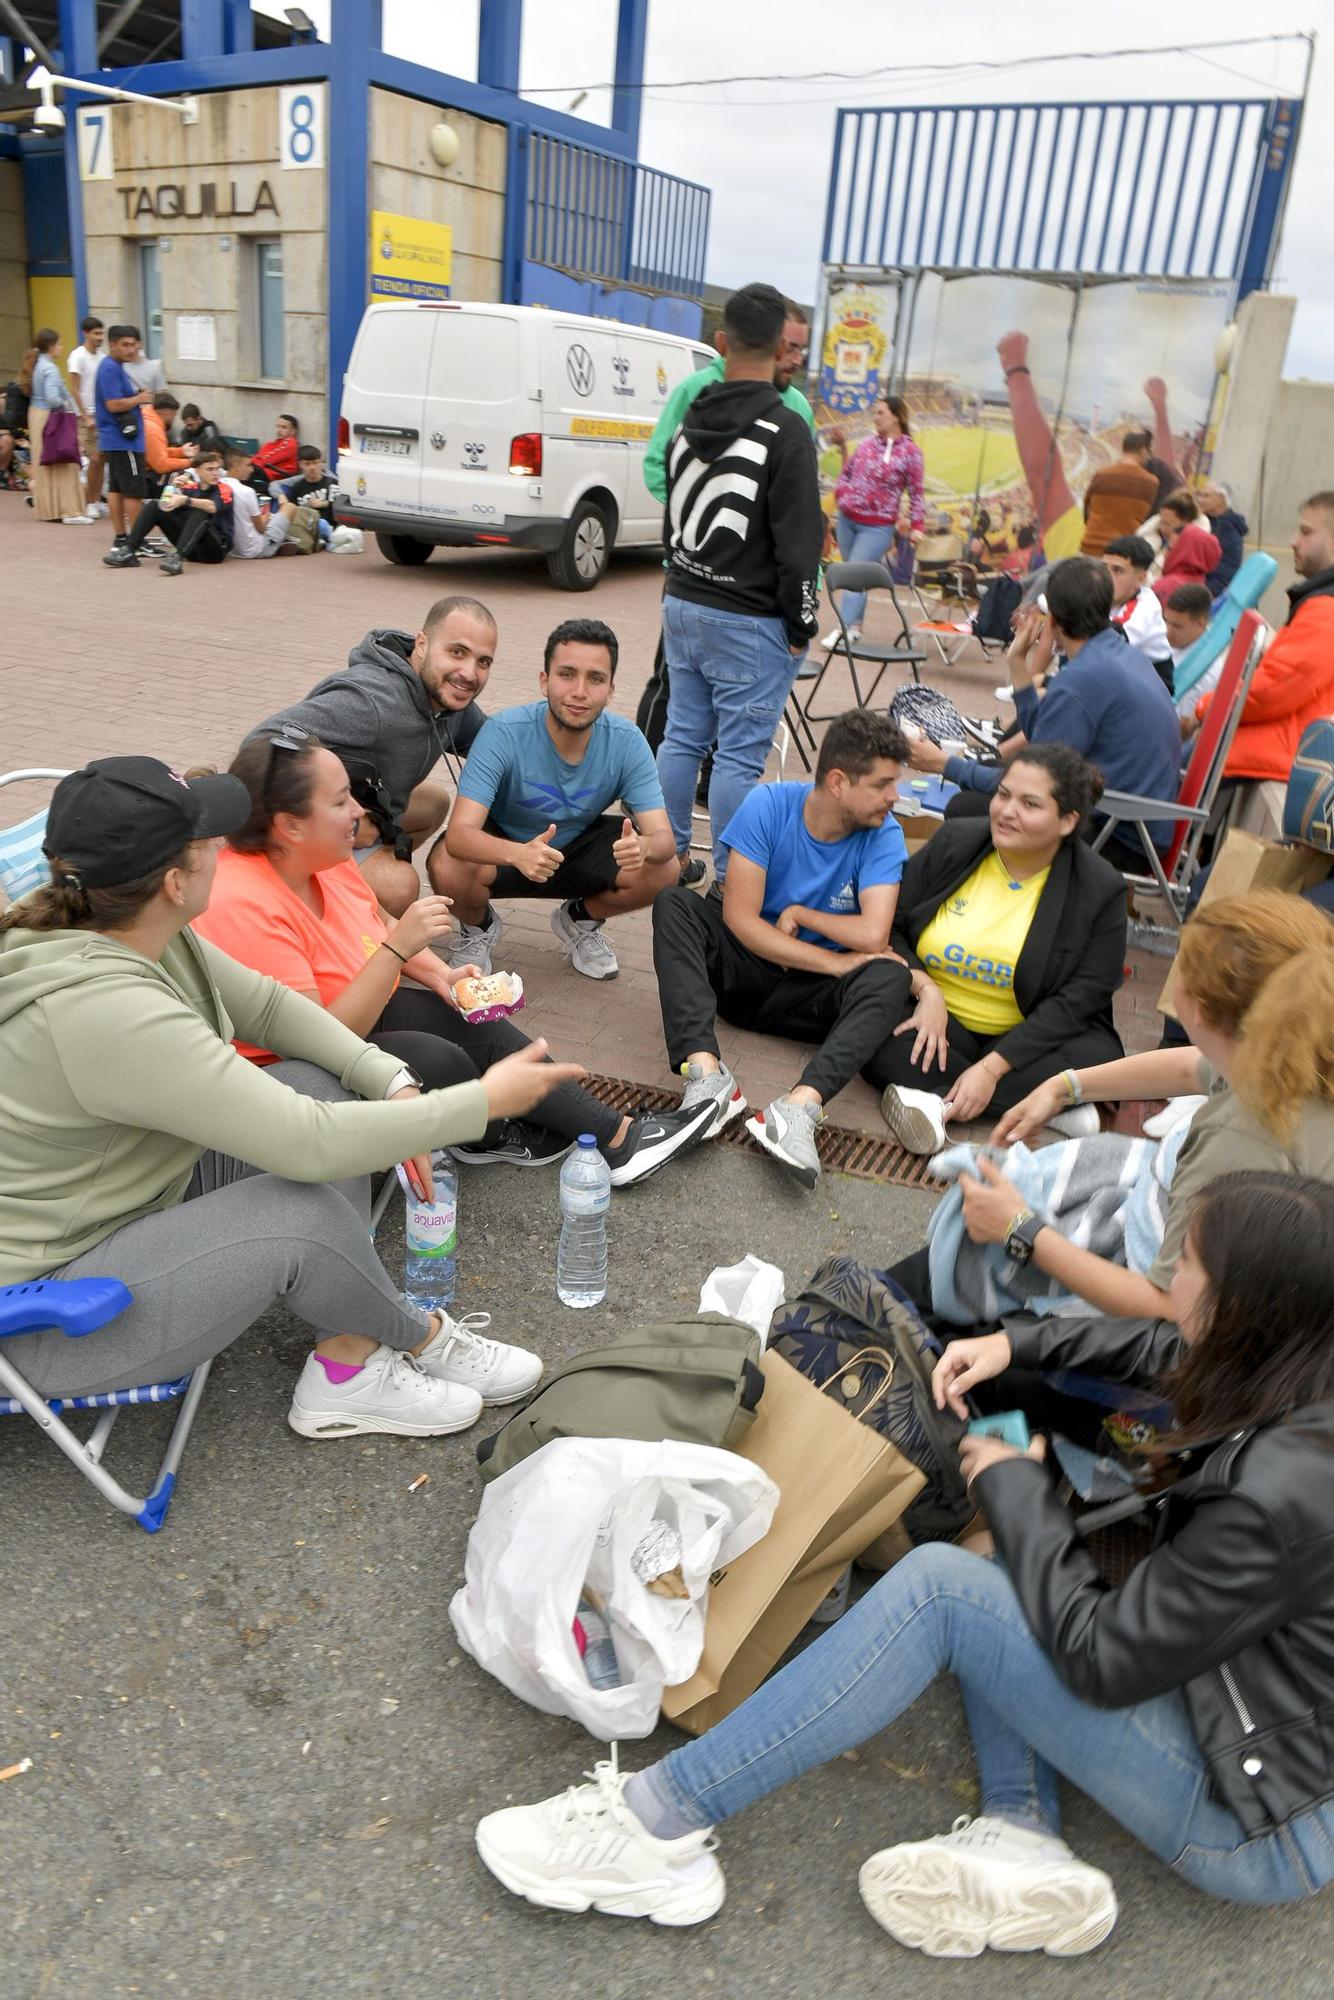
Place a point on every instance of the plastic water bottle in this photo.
(597, 1650)
(585, 1197)
(430, 1265)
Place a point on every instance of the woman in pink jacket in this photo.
(870, 493)
(1192, 553)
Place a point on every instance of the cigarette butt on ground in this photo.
(16, 1770)
(420, 1480)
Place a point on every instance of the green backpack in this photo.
(696, 1380)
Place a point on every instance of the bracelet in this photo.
(1074, 1089)
(386, 946)
(1020, 368)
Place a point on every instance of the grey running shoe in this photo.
(473, 944)
(693, 873)
(788, 1132)
(715, 1086)
(586, 944)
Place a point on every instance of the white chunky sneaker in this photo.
(713, 1086)
(915, 1117)
(472, 944)
(835, 637)
(388, 1393)
(461, 1354)
(586, 945)
(1081, 1121)
(586, 1850)
(988, 1882)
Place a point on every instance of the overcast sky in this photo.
(765, 149)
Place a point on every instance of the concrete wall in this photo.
(469, 196)
(207, 262)
(15, 333)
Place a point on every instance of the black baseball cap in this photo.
(121, 817)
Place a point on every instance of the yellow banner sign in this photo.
(410, 259)
(609, 427)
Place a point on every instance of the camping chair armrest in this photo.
(75, 1305)
(1128, 805)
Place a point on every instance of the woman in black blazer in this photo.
(1015, 931)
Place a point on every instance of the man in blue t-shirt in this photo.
(118, 403)
(798, 943)
(532, 819)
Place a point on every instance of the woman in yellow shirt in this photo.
(1015, 931)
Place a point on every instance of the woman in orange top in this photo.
(289, 901)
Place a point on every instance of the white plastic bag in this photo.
(750, 1291)
(573, 1513)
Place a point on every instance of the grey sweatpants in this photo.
(201, 1273)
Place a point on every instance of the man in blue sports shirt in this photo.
(798, 942)
(532, 818)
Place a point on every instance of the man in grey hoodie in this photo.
(403, 701)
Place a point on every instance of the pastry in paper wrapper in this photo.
(489, 998)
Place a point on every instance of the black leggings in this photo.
(429, 1036)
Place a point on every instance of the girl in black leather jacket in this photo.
(1195, 1701)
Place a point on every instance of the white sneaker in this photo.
(462, 1354)
(388, 1393)
(1171, 1115)
(472, 944)
(585, 944)
(915, 1117)
(835, 638)
(586, 1850)
(1081, 1121)
(76, 520)
(96, 510)
(988, 1882)
(715, 1086)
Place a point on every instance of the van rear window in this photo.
(476, 359)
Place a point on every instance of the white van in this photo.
(505, 426)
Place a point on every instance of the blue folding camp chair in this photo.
(79, 1306)
(1244, 592)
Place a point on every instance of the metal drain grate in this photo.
(860, 1154)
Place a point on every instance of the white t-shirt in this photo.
(1142, 623)
(83, 366)
(246, 537)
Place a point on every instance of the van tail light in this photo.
(526, 455)
(344, 435)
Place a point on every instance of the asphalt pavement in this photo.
(259, 1754)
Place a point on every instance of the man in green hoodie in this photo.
(792, 355)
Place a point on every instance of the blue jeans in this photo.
(942, 1609)
(858, 542)
(730, 677)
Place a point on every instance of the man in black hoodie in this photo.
(404, 700)
(743, 532)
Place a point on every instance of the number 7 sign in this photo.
(95, 161)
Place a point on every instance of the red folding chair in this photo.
(1171, 874)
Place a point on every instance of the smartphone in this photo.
(1011, 1425)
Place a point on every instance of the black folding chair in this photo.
(866, 577)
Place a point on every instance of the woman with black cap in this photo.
(135, 1143)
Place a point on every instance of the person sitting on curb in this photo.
(312, 487)
(290, 901)
(1193, 1701)
(532, 814)
(259, 529)
(1136, 613)
(1015, 932)
(137, 1144)
(194, 512)
(798, 942)
(278, 458)
(404, 700)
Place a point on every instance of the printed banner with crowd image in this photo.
(1019, 390)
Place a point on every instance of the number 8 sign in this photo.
(301, 125)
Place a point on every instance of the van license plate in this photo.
(390, 447)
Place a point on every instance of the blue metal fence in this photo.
(1157, 188)
(595, 216)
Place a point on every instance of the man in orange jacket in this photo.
(1294, 682)
(163, 457)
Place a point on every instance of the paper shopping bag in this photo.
(841, 1485)
(1246, 862)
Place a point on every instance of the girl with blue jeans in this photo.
(1135, 1695)
(885, 469)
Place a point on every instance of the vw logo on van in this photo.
(579, 368)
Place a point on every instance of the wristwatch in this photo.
(1021, 1236)
(407, 1079)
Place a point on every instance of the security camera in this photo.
(48, 117)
